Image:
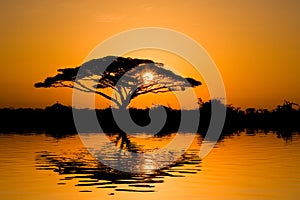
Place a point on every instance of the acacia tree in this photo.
(127, 77)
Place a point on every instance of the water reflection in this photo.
(79, 165)
(243, 158)
(243, 166)
(286, 135)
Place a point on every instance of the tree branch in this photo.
(97, 92)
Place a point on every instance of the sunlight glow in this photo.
(147, 77)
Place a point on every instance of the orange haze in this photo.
(255, 44)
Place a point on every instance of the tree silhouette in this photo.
(127, 77)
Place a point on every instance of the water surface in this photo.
(241, 166)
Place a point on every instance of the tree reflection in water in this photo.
(88, 171)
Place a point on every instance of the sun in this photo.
(147, 77)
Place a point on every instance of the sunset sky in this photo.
(255, 44)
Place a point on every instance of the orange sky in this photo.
(255, 44)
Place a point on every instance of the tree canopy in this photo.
(128, 77)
